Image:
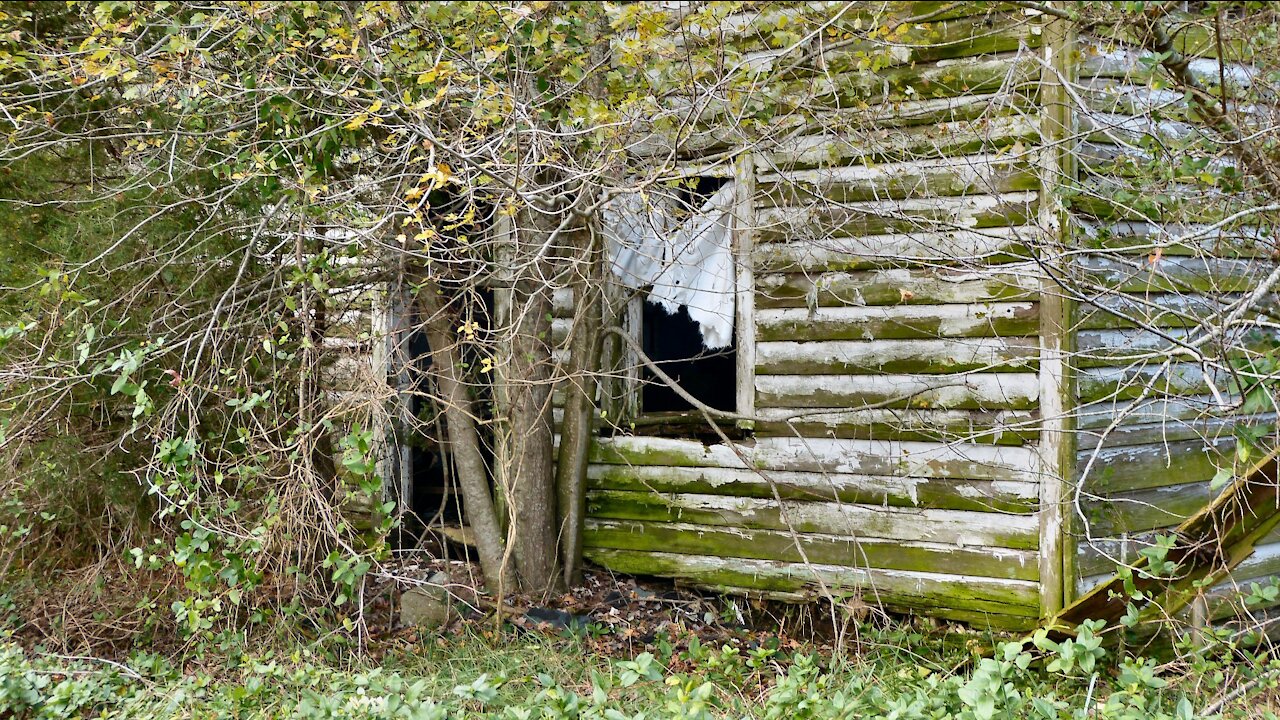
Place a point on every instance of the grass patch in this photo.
(898, 671)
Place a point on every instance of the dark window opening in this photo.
(674, 343)
(435, 503)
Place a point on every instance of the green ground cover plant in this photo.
(898, 671)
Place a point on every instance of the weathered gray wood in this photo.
(1127, 346)
(1148, 509)
(1198, 426)
(1108, 127)
(1151, 273)
(1000, 427)
(744, 291)
(1165, 310)
(956, 218)
(976, 175)
(982, 391)
(896, 356)
(899, 286)
(1056, 379)
(1096, 416)
(825, 455)
(918, 492)
(898, 322)
(1140, 467)
(949, 138)
(1136, 237)
(893, 588)
(944, 79)
(842, 550)
(1147, 379)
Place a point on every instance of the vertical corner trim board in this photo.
(1056, 336)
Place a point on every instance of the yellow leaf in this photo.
(357, 121)
(376, 106)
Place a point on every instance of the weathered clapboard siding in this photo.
(1000, 427)
(975, 391)
(954, 527)
(934, 593)
(896, 356)
(917, 492)
(983, 174)
(826, 455)
(952, 230)
(891, 322)
(844, 549)
(1153, 432)
(897, 292)
(898, 286)
(830, 148)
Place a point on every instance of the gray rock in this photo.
(427, 606)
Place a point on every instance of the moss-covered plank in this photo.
(897, 322)
(842, 550)
(896, 356)
(822, 222)
(1140, 467)
(973, 175)
(699, 141)
(1117, 199)
(891, 588)
(1145, 239)
(944, 79)
(1207, 546)
(1146, 379)
(842, 141)
(1138, 511)
(670, 452)
(1164, 310)
(912, 459)
(956, 527)
(982, 391)
(918, 492)
(826, 455)
(1157, 273)
(999, 427)
(1116, 128)
(1095, 417)
(899, 286)
(1097, 348)
(1198, 425)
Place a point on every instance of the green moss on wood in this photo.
(824, 549)
(937, 493)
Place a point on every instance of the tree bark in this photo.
(523, 410)
(578, 427)
(464, 439)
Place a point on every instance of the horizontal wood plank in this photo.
(841, 550)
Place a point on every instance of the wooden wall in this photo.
(896, 355)
(901, 348)
(1153, 432)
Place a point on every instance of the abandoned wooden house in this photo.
(948, 324)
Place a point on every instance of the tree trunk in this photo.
(522, 397)
(578, 427)
(464, 439)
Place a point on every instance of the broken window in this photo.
(676, 249)
(674, 343)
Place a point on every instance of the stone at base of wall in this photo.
(427, 605)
